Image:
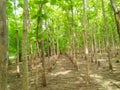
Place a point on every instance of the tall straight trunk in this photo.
(58, 47)
(113, 42)
(94, 44)
(42, 54)
(17, 42)
(57, 40)
(37, 45)
(36, 63)
(107, 37)
(25, 81)
(31, 55)
(17, 52)
(53, 40)
(117, 16)
(73, 37)
(73, 32)
(43, 63)
(53, 46)
(113, 45)
(85, 43)
(3, 46)
(69, 32)
(48, 48)
(113, 38)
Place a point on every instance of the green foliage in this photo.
(53, 2)
(56, 19)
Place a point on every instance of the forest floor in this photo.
(65, 77)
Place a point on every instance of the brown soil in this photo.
(65, 77)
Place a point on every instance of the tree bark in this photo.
(107, 37)
(17, 42)
(43, 63)
(37, 45)
(3, 46)
(25, 81)
(85, 43)
(42, 54)
(116, 15)
(73, 31)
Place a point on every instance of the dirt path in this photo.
(65, 77)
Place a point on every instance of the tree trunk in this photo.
(31, 56)
(17, 41)
(117, 16)
(73, 38)
(36, 65)
(48, 47)
(85, 43)
(25, 80)
(42, 54)
(69, 32)
(37, 46)
(3, 46)
(43, 63)
(107, 37)
(58, 47)
(94, 48)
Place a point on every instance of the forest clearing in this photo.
(60, 45)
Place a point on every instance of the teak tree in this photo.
(17, 41)
(3, 46)
(107, 37)
(25, 81)
(85, 42)
(69, 29)
(42, 46)
(117, 16)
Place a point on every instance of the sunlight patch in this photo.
(101, 59)
(97, 76)
(61, 73)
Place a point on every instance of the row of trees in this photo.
(42, 28)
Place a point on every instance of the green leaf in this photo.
(53, 2)
(37, 2)
(44, 2)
